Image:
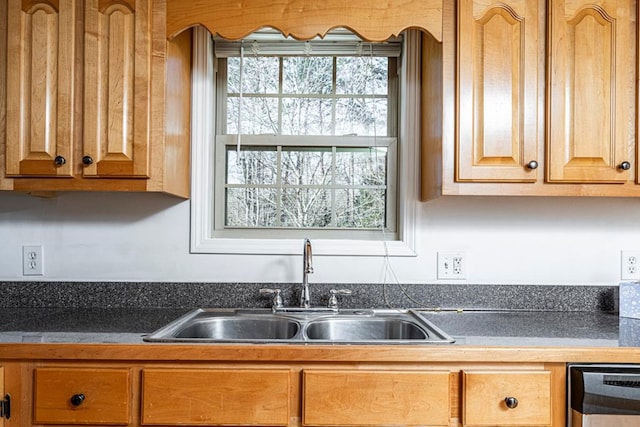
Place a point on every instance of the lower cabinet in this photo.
(506, 398)
(369, 398)
(215, 397)
(81, 396)
(313, 393)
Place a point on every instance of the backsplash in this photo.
(191, 295)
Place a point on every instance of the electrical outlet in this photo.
(630, 265)
(452, 266)
(32, 260)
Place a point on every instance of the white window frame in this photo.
(203, 233)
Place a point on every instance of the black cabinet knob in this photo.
(532, 165)
(511, 402)
(59, 161)
(625, 166)
(87, 160)
(77, 399)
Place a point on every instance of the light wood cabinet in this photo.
(371, 398)
(42, 87)
(325, 391)
(2, 399)
(591, 96)
(81, 396)
(251, 397)
(97, 99)
(497, 86)
(117, 88)
(510, 398)
(552, 82)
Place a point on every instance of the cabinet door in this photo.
(2, 418)
(215, 397)
(81, 396)
(485, 394)
(498, 61)
(117, 88)
(41, 74)
(591, 101)
(375, 398)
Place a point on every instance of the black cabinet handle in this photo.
(532, 165)
(77, 399)
(87, 160)
(59, 161)
(625, 166)
(511, 402)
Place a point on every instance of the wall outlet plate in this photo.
(630, 265)
(452, 265)
(32, 260)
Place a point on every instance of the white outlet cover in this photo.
(32, 260)
(630, 265)
(446, 269)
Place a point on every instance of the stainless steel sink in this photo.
(301, 327)
(371, 329)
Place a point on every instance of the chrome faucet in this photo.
(307, 268)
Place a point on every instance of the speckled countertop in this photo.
(508, 315)
(484, 328)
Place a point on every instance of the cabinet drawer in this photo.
(484, 395)
(222, 397)
(81, 396)
(368, 398)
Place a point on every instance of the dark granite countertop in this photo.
(482, 328)
(482, 315)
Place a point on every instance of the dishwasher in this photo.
(603, 395)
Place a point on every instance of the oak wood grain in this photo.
(592, 66)
(376, 21)
(370, 398)
(106, 396)
(215, 396)
(484, 394)
(497, 81)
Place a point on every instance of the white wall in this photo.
(145, 237)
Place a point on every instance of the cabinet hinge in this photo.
(5, 407)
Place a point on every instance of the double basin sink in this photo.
(301, 326)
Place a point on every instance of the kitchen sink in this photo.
(367, 329)
(304, 326)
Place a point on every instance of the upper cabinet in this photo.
(538, 98)
(89, 84)
(497, 86)
(42, 86)
(591, 96)
(117, 88)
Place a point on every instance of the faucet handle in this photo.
(277, 298)
(333, 299)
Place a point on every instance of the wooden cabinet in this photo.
(81, 396)
(325, 391)
(42, 87)
(538, 98)
(215, 397)
(97, 99)
(3, 402)
(591, 97)
(371, 398)
(513, 398)
(497, 105)
(117, 88)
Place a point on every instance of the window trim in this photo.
(203, 170)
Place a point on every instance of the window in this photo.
(305, 143)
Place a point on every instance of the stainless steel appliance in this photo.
(604, 395)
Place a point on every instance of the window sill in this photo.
(321, 247)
